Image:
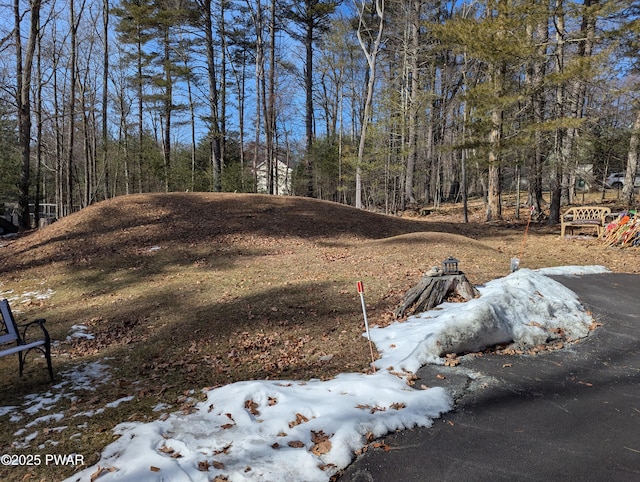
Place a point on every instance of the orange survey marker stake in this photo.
(366, 322)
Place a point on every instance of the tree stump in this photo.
(433, 289)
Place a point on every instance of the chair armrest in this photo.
(40, 322)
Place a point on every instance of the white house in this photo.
(282, 173)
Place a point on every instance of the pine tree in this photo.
(311, 17)
(135, 29)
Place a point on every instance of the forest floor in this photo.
(151, 298)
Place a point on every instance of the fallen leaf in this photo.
(451, 361)
(319, 436)
(381, 445)
(252, 407)
(223, 450)
(321, 448)
(296, 444)
(322, 444)
(100, 471)
(299, 420)
(154, 469)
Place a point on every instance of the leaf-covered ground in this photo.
(184, 291)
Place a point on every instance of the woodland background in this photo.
(382, 104)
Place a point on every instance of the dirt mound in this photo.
(126, 228)
(129, 225)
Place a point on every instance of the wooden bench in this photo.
(10, 332)
(584, 217)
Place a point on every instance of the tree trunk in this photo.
(259, 59)
(58, 129)
(270, 105)
(167, 100)
(413, 104)
(632, 162)
(498, 74)
(494, 204)
(192, 122)
(139, 86)
(23, 100)
(73, 75)
(222, 128)
(39, 140)
(540, 35)
(308, 87)
(577, 91)
(560, 134)
(105, 97)
(216, 150)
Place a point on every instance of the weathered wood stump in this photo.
(433, 289)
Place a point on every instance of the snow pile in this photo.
(270, 430)
(291, 430)
(525, 307)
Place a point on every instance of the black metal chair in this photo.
(12, 332)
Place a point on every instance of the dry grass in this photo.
(185, 291)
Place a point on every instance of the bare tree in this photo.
(370, 46)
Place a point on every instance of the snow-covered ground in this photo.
(308, 430)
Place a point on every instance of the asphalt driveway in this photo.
(570, 415)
